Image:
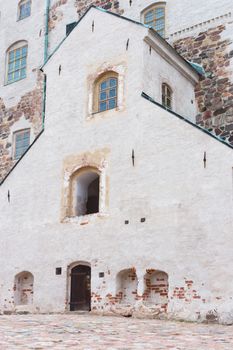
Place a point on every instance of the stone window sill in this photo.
(84, 219)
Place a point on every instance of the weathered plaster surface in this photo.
(29, 108)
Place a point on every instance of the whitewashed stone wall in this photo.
(187, 207)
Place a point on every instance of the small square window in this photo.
(58, 270)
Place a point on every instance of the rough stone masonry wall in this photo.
(80, 6)
(29, 106)
(214, 93)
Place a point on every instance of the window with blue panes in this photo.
(155, 18)
(107, 94)
(21, 142)
(17, 63)
(24, 9)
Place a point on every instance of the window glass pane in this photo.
(25, 9)
(159, 24)
(16, 75)
(17, 64)
(17, 53)
(23, 62)
(159, 12)
(24, 51)
(103, 96)
(22, 142)
(11, 56)
(103, 106)
(149, 16)
(112, 82)
(11, 66)
(23, 73)
(103, 85)
(112, 103)
(10, 77)
(112, 92)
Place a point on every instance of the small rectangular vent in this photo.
(58, 270)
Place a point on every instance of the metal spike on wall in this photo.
(133, 157)
(59, 69)
(127, 45)
(8, 196)
(150, 50)
(93, 26)
(130, 2)
(204, 160)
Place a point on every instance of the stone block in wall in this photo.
(214, 92)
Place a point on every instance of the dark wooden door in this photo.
(80, 294)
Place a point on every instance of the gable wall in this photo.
(183, 202)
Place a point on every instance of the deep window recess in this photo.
(166, 96)
(16, 62)
(85, 189)
(155, 18)
(24, 9)
(21, 142)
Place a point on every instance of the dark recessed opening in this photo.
(143, 219)
(58, 270)
(93, 197)
(126, 222)
(101, 274)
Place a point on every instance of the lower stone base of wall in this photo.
(140, 311)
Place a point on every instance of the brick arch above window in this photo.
(154, 16)
(16, 61)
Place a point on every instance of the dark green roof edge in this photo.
(147, 97)
(127, 19)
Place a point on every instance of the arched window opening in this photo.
(127, 283)
(85, 192)
(16, 62)
(155, 18)
(105, 92)
(23, 288)
(166, 96)
(24, 9)
(156, 289)
(21, 142)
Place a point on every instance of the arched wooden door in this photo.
(80, 293)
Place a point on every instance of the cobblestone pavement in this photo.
(86, 332)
